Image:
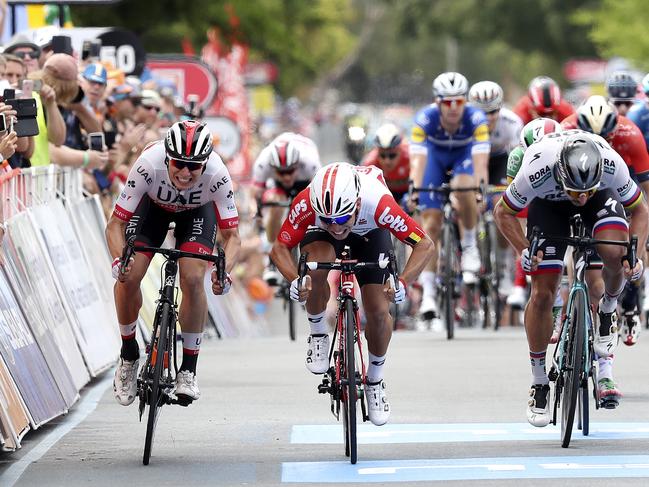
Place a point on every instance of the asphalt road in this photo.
(458, 413)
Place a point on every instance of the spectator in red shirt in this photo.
(543, 99)
(391, 155)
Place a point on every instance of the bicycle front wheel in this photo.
(291, 319)
(349, 390)
(156, 398)
(573, 365)
(448, 250)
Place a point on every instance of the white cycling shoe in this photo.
(517, 297)
(378, 407)
(470, 264)
(272, 276)
(317, 354)
(428, 308)
(125, 382)
(606, 334)
(186, 385)
(538, 405)
(630, 329)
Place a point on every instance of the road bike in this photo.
(574, 361)
(449, 285)
(157, 378)
(345, 378)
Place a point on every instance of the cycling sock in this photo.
(605, 368)
(317, 323)
(190, 357)
(468, 239)
(128, 331)
(608, 303)
(375, 368)
(130, 349)
(519, 275)
(427, 280)
(191, 347)
(539, 375)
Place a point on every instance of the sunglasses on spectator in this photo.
(339, 220)
(24, 54)
(449, 102)
(151, 107)
(574, 194)
(628, 103)
(191, 165)
(286, 172)
(388, 155)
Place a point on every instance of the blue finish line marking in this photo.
(462, 432)
(615, 466)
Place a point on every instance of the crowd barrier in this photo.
(58, 327)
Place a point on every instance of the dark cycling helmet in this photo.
(545, 95)
(189, 140)
(621, 86)
(387, 136)
(580, 163)
(597, 116)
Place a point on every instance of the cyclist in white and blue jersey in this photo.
(449, 141)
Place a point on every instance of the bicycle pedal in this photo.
(553, 374)
(609, 402)
(428, 316)
(182, 400)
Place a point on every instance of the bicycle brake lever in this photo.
(220, 267)
(127, 254)
(534, 243)
(632, 252)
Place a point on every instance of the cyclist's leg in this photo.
(321, 247)
(463, 177)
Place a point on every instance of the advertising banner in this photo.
(14, 422)
(95, 335)
(26, 363)
(31, 279)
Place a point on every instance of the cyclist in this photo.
(347, 205)
(449, 137)
(391, 154)
(639, 113)
(543, 99)
(283, 168)
(504, 130)
(621, 89)
(568, 173)
(176, 179)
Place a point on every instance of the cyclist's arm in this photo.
(421, 254)
(480, 151)
(418, 154)
(231, 246)
(481, 166)
(115, 231)
(510, 227)
(639, 225)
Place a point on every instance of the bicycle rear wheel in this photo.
(448, 251)
(573, 366)
(291, 319)
(349, 390)
(156, 398)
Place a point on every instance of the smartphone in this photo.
(96, 141)
(38, 84)
(95, 48)
(3, 123)
(27, 88)
(109, 138)
(9, 94)
(85, 50)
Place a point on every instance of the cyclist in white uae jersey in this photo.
(179, 179)
(561, 175)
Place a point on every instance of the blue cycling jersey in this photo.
(639, 115)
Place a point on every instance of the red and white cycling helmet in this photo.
(545, 94)
(334, 190)
(536, 129)
(284, 154)
(189, 140)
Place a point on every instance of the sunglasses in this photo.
(493, 112)
(24, 54)
(339, 220)
(388, 155)
(147, 107)
(620, 103)
(286, 172)
(451, 102)
(574, 194)
(191, 165)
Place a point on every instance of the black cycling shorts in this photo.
(364, 248)
(553, 218)
(195, 229)
(498, 170)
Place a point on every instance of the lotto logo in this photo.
(396, 223)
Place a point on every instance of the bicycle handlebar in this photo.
(348, 265)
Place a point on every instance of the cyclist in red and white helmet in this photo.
(391, 154)
(543, 99)
(283, 168)
(348, 205)
(178, 179)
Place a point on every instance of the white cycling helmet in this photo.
(486, 95)
(387, 136)
(536, 129)
(597, 116)
(334, 190)
(450, 84)
(283, 155)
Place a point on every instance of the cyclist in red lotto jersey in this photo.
(347, 205)
(392, 156)
(543, 99)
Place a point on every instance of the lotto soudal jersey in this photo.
(505, 135)
(149, 176)
(378, 209)
(307, 166)
(537, 177)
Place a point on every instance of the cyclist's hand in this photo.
(397, 296)
(216, 287)
(530, 264)
(300, 291)
(412, 202)
(635, 273)
(116, 271)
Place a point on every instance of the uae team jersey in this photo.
(378, 209)
(537, 177)
(149, 176)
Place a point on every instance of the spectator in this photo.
(14, 70)
(20, 46)
(93, 83)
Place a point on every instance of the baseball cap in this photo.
(123, 92)
(96, 72)
(150, 98)
(62, 66)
